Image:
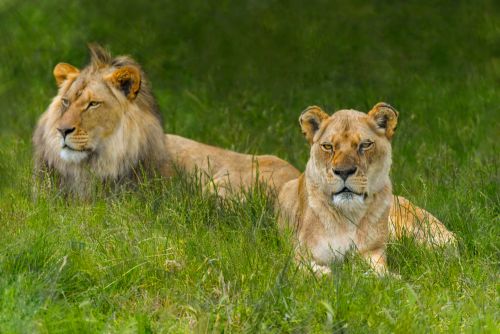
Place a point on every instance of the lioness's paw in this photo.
(320, 270)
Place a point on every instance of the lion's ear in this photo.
(127, 79)
(386, 118)
(63, 71)
(310, 121)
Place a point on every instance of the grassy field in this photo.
(237, 74)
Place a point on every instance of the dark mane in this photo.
(100, 58)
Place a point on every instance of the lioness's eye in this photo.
(65, 102)
(366, 145)
(93, 104)
(327, 147)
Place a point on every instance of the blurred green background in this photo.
(237, 74)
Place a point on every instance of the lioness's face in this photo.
(350, 152)
(91, 105)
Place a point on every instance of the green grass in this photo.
(166, 258)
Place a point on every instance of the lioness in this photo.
(103, 126)
(343, 199)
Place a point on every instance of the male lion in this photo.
(103, 124)
(343, 200)
(226, 172)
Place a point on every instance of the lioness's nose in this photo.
(65, 131)
(344, 173)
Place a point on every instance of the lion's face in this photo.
(89, 114)
(91, 105)
(102, 124)
(350, 154)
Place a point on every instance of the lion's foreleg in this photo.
(376, 258)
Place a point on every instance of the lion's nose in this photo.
(344, 173)
(65, 131)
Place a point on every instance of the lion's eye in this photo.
(65, 102)
(366, 145)
(93, 104)
(327, 147)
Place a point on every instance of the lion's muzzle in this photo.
(344, 173)
(64, 131)
(73, 145)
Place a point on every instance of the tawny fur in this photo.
(343, 200)
(227, 172)
(408, 220)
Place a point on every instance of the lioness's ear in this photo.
(63, 71)
(310, 121)
(127, 79)
(386, 118)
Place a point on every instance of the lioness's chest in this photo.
(334, 243)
